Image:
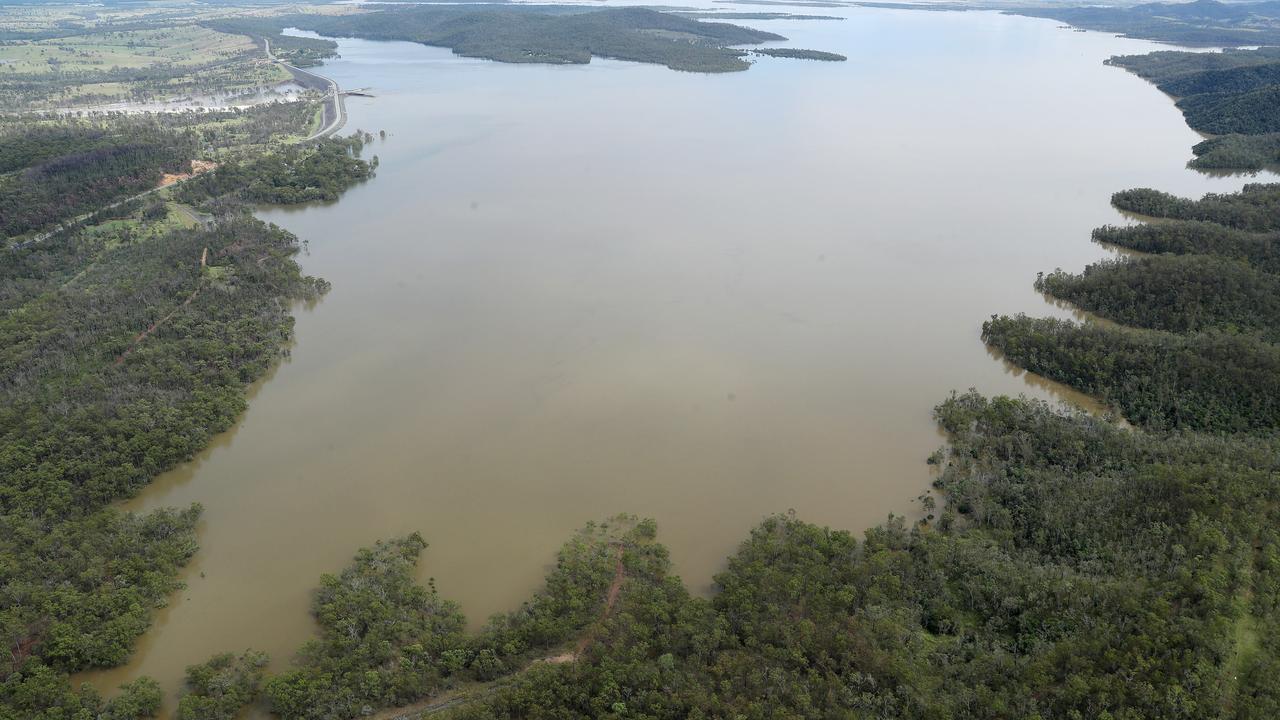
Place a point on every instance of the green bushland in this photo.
(1252, 113)
(58, 86)
(552, 34)
(1237, 152)
(59, 171)
(1178, 293)
(81, 578)
(1241, 79)
(1254, 208)
(1196, 237)
(1212, 381)
(290, 174)
(92, 407)
(53, 169)
(1216, 285)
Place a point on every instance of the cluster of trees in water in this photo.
(127, 339)
(551, 34)
(1234, 95)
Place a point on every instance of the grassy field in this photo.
(180, 46)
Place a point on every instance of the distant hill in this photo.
(1203, 22)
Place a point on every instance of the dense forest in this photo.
(1196, 237)
(52, 172)
(1234, 95)
(1215, 381)
(128, 337)
(1179, 293)
(54, 169)
(552, 34)
(1255, 208)
(1237, 152)
(290, 174)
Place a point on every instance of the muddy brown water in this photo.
(577, 291)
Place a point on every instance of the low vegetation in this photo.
(140, 61)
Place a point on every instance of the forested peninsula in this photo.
(552, 34)
(1232, 95)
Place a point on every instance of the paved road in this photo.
(335, 110)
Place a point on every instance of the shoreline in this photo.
(334, 115)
